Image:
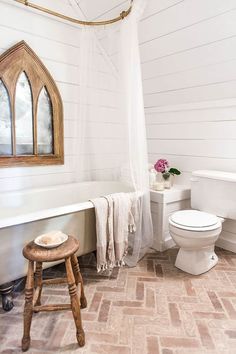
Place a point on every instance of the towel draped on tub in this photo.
(116, 216)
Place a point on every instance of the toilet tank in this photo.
(214, 192)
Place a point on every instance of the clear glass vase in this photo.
(159, 184)
(167, 183)
(168, 180)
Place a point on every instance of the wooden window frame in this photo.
(21, 58)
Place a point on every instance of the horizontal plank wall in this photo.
(57, 43)
(189, 78)
(103, 9)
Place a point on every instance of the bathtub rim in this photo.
(55, 211)
(45, 214)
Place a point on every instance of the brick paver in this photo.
(153, 308)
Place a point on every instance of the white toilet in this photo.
(213, 196)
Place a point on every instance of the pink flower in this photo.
(161, 165)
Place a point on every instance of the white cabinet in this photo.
(163, 204)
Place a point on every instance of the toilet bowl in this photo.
(195, 232)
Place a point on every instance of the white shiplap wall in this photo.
(189, 76)
(102, 9)
(57, 44)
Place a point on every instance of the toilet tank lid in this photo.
(211, 174)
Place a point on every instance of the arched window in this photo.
(31, 114)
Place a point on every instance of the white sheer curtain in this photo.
(111, 123)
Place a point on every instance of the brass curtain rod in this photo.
(122, 15)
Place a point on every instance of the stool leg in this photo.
(28, 309)
(75, 304)
(78, 279)
(38, 280)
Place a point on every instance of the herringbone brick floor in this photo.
(150, 309)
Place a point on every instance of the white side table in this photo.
(163, 204)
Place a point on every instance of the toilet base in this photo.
(196, 261)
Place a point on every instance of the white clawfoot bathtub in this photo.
(27, 214)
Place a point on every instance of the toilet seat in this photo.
(194, 220)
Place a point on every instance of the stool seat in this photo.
(36, 253)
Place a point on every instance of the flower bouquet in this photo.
(162, 166)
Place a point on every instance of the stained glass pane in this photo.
(44, 124)
(5, 122)
(24, 117)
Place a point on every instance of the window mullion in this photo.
(35, 125)
(13, 122)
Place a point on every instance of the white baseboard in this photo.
(169, 243)
(227, 242)
(164, 245)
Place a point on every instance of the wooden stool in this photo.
(38, 254)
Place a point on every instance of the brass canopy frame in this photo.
(122, 15)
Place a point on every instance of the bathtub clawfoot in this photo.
(6, 291)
